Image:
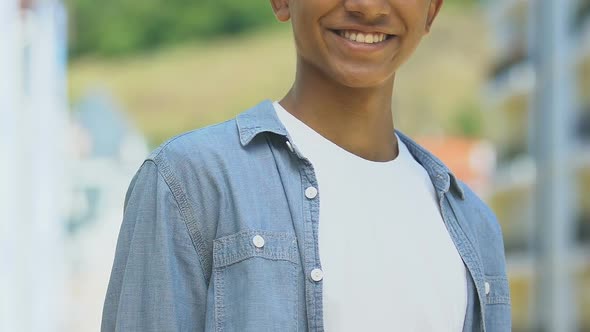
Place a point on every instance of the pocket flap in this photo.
(236, 247)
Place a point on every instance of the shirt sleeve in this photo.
(156, 283)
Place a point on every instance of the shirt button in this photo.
(487, 287)
(311, 192)
(258, 241)
(289, 146)
(317, 274)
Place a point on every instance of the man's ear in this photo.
(281, 9)
(433, 10)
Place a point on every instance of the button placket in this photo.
(313, 286)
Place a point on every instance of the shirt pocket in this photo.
(498, 309)
(255, 281)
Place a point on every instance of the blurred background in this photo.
(500, 90)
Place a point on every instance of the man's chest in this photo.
(382, 231)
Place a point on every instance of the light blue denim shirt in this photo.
(218, 235)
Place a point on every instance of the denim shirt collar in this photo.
(262, 118)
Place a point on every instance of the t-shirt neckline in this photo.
(339, 151)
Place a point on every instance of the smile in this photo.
(363, 37)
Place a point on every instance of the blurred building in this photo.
(63, 177)
(33, 188)
(105, 151)
(510, 92)
(471, 160)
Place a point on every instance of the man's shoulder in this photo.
(471, 202)
(476, 208)
(219, 140)
(477, 219)
(194, 143)
(482, 225)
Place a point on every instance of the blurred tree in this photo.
(467, 121)
(117, 27)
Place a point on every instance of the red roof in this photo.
(471, 160)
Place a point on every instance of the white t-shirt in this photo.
(389, 263)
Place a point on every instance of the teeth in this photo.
(367, 38)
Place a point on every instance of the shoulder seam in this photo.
(186, 212)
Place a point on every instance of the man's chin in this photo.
(361, 80)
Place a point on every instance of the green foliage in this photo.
(116, 27)
(461, 3)
(468, 120)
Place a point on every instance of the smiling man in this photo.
(223, 229)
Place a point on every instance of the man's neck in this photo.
(357, 119)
